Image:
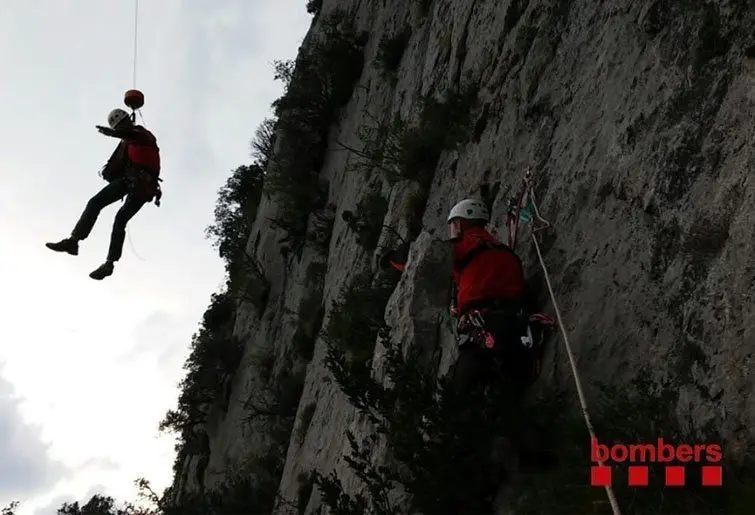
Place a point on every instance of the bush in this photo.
(367, 222)
(439, 441)
(356, 318)
(314, 7)
(214, 357)
(412, 152)
(249, 283)
(263, 143)
(235, 212)
(439, 446)
(390, 51)
(321, 81)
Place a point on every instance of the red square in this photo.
(600, 475)
(675, 476)
(638, 476)
(712, 475)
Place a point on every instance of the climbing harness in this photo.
(525, 204)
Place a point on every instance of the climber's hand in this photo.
(454, 311)
(107, 131)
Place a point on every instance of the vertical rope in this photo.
(575, 373)
(133, 114)
(136, 37)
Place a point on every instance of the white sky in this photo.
(87, 368)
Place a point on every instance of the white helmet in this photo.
(470, 209)
(115, 117)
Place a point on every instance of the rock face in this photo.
(635, 118)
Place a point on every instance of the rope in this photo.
(133, 114)
(572, 361)
(136, 37)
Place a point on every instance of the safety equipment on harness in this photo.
(472, 328)
(145, 185)
(115, 117)
(469, 209)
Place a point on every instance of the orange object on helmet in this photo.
(134, 99)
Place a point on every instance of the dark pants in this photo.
(110, 194)
(505, 372)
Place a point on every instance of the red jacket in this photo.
(143, 150)
(487, 273)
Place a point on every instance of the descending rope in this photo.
(577, 381)
(133, 115)
(136, 37)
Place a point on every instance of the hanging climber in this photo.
(132, 172)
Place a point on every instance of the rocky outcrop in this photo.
(635, 118)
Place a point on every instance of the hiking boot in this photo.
(104, 270)
(68, 245)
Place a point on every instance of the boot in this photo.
(104, 270)
(68, 245)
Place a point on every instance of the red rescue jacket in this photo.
(142, 149)
(485, 270)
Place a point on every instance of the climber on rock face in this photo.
(488, 302)
(132, 172)
(497, 343)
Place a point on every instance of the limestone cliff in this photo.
(636, 120)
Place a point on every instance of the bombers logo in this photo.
(708, 456)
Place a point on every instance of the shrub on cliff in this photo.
(367, 220)
(213, 359)
(410, 151)
(439, 442)
(390, 52)
(439, 449)
(321, 81)
(235, 211)
(356, 318)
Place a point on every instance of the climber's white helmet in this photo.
(115, 117)
(469, 209)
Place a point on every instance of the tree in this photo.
(263, 142)
(235, 212)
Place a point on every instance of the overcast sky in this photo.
(87, 368)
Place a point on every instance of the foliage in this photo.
(102, 505)
(322, 228)
(367, 222)
(263, 143)
(439, 446)
(411, 151)
(390, 51)
(10, 509)
(314, 7)
(213, 358)
(235, 212)
(439, 440)
(278, 399)
(356, 318)
(249, 283)
(321, 81)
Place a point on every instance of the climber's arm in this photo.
(130, 134)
